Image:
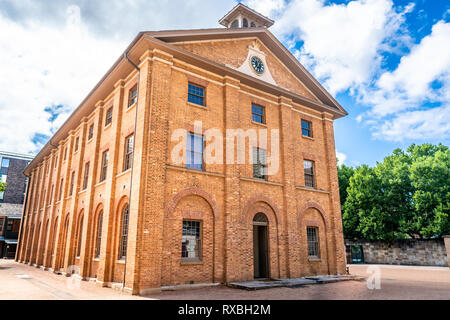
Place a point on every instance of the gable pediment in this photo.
(237, 54)
(231, 47)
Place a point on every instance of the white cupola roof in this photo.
(242, 16)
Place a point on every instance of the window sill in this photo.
(123, 173)
(194, 262)
(96, 259)
(100, 183)
(259, 124)
(107, 127)
(129, 108)
(196, 105)
(314, 259)
(120, 261)
(261, 181)
(311, 189)
(90, 140)
(195, 171)
(309, 138)
(82, 191)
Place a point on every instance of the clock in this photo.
(257, 64)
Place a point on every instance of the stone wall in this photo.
(429, 252)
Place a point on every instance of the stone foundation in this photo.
(429, 252)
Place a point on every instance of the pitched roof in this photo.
(272, 43)
(163, 40)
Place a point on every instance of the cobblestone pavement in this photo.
(19, 281)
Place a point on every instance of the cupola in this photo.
(242, 16)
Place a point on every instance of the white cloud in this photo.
(405, 101)
(51, 55)
(410, 83)
(341, 157)
(417, 125)
(341, 42)
(344, 45)
(42, 67)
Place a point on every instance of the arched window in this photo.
(252, 25)
(260, 219)
(80, 233)
(235, 24)
(124, 236)
(99, 234)
(245, 23)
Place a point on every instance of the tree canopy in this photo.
(407, 195)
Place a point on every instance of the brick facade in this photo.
(225, 198)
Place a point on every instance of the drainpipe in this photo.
(19, 244)
(125, 55)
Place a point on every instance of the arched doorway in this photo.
(260, 246)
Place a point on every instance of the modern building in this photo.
(142, 188)
(11, 200)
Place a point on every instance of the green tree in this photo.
(344, 175)
(430, 178)
(2, 186)
(406, 195)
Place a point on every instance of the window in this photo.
(313, 242)
(306, 128)
(77, 140)
(104, 169)
(258, 114)
(194, 152)
(196, 94)
(191, 241)
(50, 196)
(245, 23)
(3, 178)
(132, 96)
(2, 222)
(56, 161)
(61, 189)
(128, 156)
(99, 234)
(108, 118)
(80, 236)
(235, 24)
(259, 163)
(91, 132)
(86, 175)
(124, 237)
(308, 167)
(10, 225)
(5, 163)
(2, 195)
(72, 182)
(65, 153)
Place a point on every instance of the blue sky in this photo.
(387, 62)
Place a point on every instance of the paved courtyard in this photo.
(19, 281)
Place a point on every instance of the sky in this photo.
(386, 62)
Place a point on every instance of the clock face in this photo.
(257, 64)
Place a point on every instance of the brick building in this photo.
(11, 200)
(109, 200)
